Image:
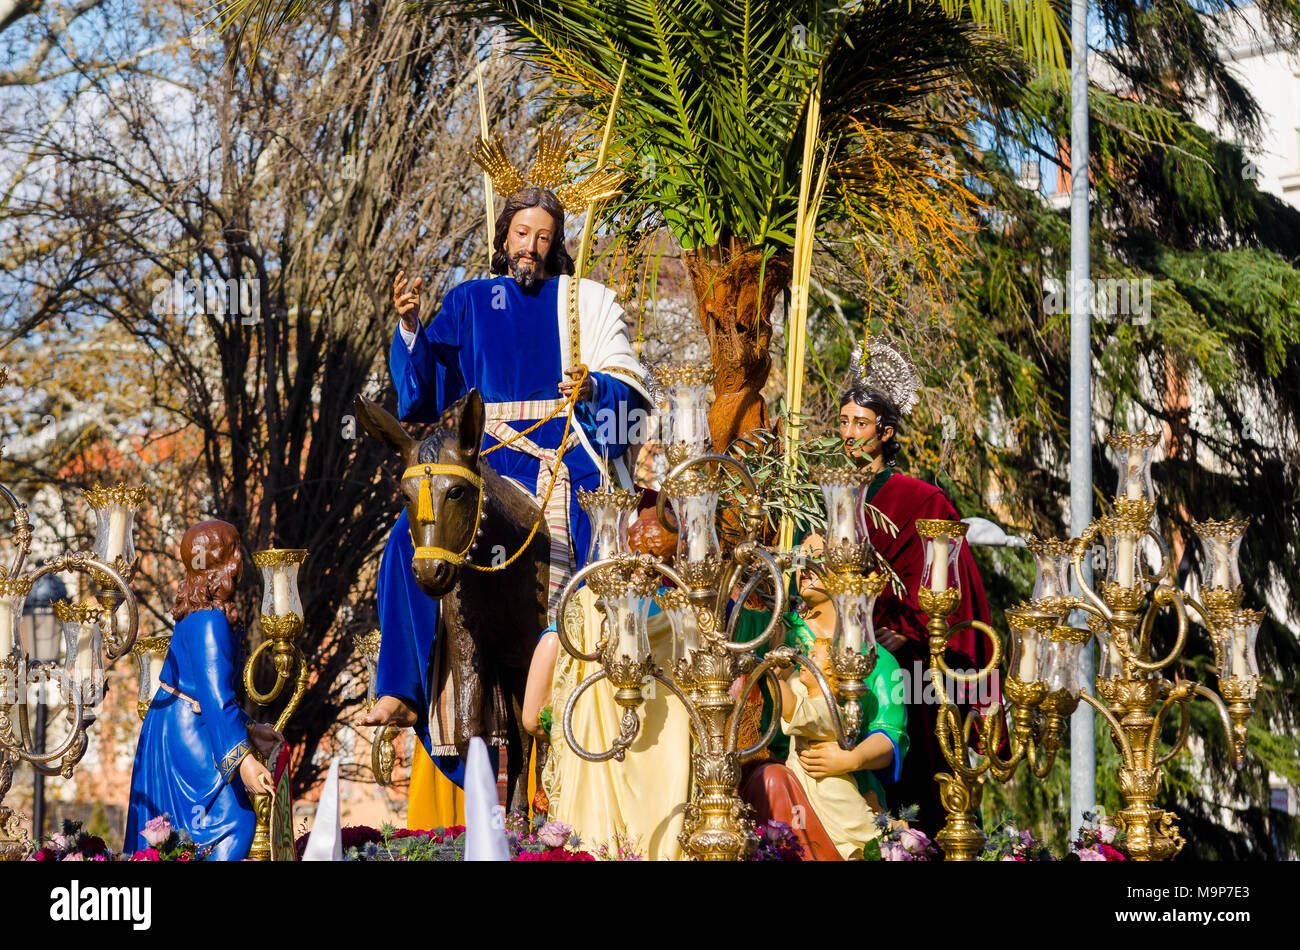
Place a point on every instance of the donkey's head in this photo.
(442, 485)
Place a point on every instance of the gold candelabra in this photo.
(94, 631)
(706, 659)
(1044, 686)
(383, 751)
(282, 623)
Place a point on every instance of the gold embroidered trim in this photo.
(230, 761)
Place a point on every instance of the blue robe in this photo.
(493, 337)
(187, 763)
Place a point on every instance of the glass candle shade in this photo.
(149, 654)
(627, 614)
(840, 485)
(13, 597)
(854, 598)
(279, 568)
(694, 497)
(1110, 664)
(687, 385)
(1031, 629)
(943, 540)
(609, 510)
(115, 510)
(1235, 634)
(682, 619)
(1060, 666)
(83, 642)
(1123, 550)
(1221, 545)
(1052, 570)
(1134, 453)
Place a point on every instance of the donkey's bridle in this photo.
(424, 507)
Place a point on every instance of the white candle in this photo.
(939, 572)
(1134, 487)
(1220, 578)
(84, 665)
(1029, 660)
(280, 584)
(1239, 653)
(116, 533)
(1124, 557)
(6, 628)
(155, 670)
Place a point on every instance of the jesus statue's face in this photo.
(528, 243)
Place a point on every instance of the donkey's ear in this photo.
(472, 421)
(376, 420)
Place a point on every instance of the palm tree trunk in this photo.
(735, 292)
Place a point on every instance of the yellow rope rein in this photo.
(424, 503)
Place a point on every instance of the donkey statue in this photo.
(464, 517)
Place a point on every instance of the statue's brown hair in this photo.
(210, 552)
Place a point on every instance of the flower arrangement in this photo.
(776, 842)
(1099, 840)
(1005, 843)
(550, 841)
(898, 841)
(71, 844)
(166, 843)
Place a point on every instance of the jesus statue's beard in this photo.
(527, 273)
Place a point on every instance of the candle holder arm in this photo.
(629, 726)
(281, 677)
(750, 549)
(1076, 566)
(937, 662)
(952, 735)
(1181, 695)
(561, 610)
(24, 747)
(780, 658)
(22, 532)
(1162, 596)
(1236, 741)
(299, 689)
(1116, 729)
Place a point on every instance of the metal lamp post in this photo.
(41, 630)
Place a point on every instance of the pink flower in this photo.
(157, 830)
(554, 834)
(1111, 854)
(892, 851)
(1090, 854)
(148, 854)
(61, 842)
(1010, 857)
(1108, 832)
(914, 841)
(74, 856)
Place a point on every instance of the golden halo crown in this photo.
(550, 171)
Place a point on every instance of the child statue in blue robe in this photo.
(193, 761)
